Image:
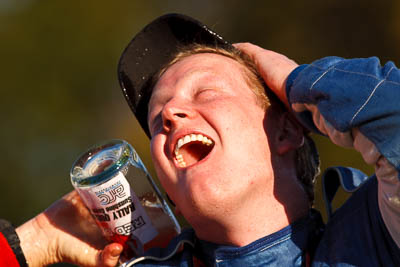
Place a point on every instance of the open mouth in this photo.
(192, 148)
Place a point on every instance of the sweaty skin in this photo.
(230, 196)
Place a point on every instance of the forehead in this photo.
(198, 68)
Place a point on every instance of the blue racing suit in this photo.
(356, 103)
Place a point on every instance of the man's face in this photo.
(205, 97)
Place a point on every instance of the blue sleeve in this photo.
(353, 93)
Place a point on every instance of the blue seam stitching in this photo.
(360, 73)
(276, 243)
(370, 96)
(322, 75)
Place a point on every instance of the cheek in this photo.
(244, 134)
(157, 153)
(240, 119)
(161, 163)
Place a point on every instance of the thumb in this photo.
(110, 255)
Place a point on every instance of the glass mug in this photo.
(123, 198)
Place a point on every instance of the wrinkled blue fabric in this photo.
(353, 93)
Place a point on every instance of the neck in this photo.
(263, 214)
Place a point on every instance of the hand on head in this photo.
(273, 67)
(66, 232)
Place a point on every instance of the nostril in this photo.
(167, 124)
(169, 119)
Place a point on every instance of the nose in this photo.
(175, 113)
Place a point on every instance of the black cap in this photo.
(151, 49)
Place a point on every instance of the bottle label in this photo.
(118, 210)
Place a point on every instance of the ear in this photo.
(289, 134)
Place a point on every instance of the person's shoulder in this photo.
(359, 205)
(356, 235)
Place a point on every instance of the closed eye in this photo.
(206, 94)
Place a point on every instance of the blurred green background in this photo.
(59, 89)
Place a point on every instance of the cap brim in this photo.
(151, 49)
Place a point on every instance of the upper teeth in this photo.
(190, 138)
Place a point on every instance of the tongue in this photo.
(194, 152)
